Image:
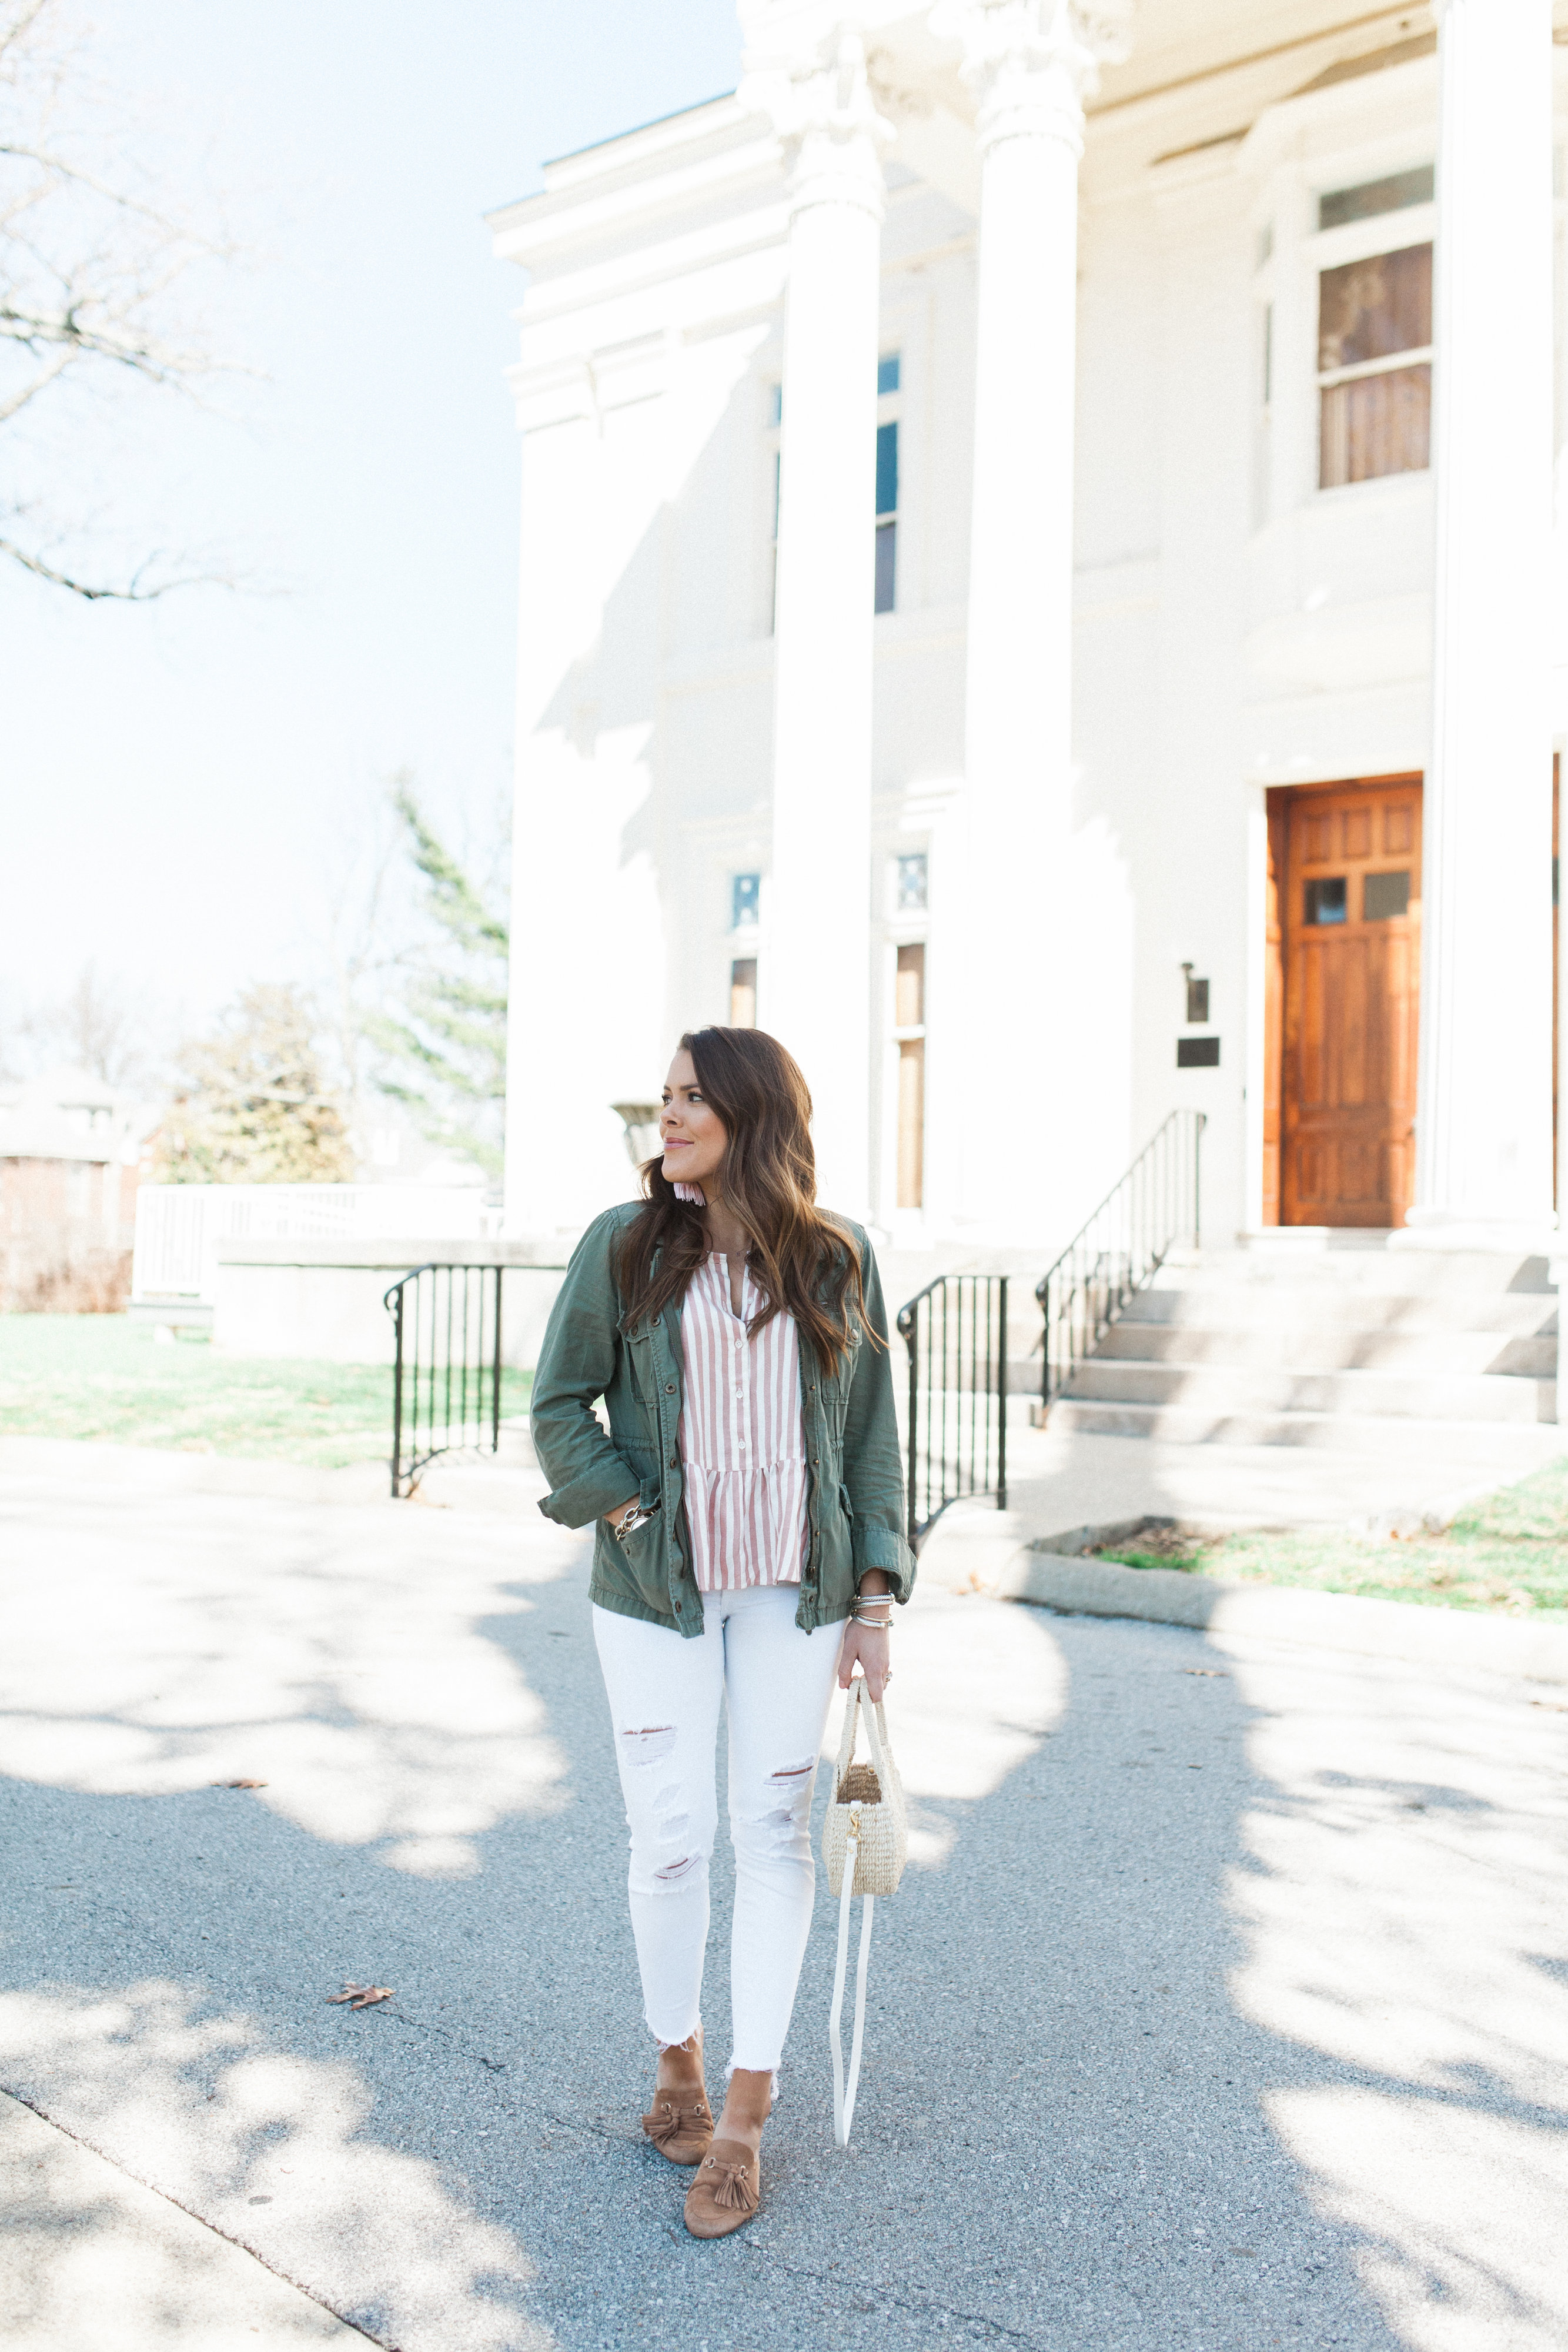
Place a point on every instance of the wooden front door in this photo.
(1353, 957)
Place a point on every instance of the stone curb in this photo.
(1328, 1621)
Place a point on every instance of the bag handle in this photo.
(847, 1732)
(856, 1704)
(875, 1733)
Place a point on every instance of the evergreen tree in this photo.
(250, 1107)
(445, 1047)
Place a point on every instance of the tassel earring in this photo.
(692, 1192)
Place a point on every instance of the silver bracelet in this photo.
(877, 1624)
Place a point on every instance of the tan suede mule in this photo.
(680, 2128)
(726, 2192)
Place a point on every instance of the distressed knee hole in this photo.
(776, 1831)
(647, 1746)
(672, 1873)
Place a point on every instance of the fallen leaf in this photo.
(236, 1784)
(1216, 1674)
(360, 1996)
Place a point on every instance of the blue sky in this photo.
(182, 782)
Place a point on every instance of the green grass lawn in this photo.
(101, 1376)
(1509, 1551)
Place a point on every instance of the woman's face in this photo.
(695, 1136)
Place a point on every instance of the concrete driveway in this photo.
(1224, 2003)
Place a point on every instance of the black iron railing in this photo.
(956, 1330)
(1153, 1210)
(447, 1377)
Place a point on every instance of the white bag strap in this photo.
(845, 2101)
(876, 1739)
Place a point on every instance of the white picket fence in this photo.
(179, 1226)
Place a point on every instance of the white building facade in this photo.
(1039, 587)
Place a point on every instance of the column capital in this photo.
(1032, 63)
(825, 112)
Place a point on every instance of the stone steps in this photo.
(1505, 1444)
(1342, 1350)
(1285, 1307)
(1398, 1273)
(1336, 1341)
(1431, 1396)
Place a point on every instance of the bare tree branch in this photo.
(95, 265)
(138, 590)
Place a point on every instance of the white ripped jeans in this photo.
(664, 1692)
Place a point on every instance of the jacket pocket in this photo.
(637, 1563)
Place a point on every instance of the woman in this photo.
(749, 1546)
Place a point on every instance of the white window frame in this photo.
(1331, 248)
(1290, 253)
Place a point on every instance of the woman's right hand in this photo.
(615, 1517)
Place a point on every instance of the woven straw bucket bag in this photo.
(865, 1842)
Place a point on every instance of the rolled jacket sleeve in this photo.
(588, 1473)
(873, 1464)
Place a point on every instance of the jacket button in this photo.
(674, 1461)
(655, 1322)
(669, 1388)
(816, 1461)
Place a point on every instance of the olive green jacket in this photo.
(854, 1482)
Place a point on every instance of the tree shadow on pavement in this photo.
(1217, 2007)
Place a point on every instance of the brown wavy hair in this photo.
(804, 1261)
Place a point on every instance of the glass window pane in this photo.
(911, 1122)
(909, 991)
(887, 374)
(1383, 896)
(745, 894)
(1326, 900)
(1374, 196)
(1376, 424)
(1370, 309)
(775, 403)
(887, 470)
(743, 992)
(886, 565)
(912, 874)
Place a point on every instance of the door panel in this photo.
(1352, 963)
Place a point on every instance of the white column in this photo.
(816, 982)
(1483, 1159)
(1030, 63)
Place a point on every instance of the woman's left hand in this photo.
(871, 1644)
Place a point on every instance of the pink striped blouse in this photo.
(743, 1446)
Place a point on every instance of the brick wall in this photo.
(66, 1233)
